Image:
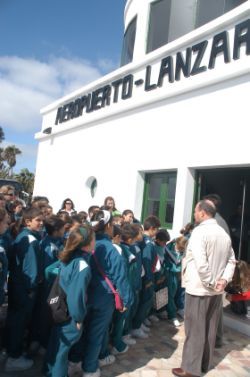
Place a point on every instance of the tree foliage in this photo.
(8, 157)
(26, 178)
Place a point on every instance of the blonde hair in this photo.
(241, 278)
(181, 243)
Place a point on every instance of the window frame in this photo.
(163, 200)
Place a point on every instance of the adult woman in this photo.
(74, 279)
(101, 299)
(68, 207)
(109, 203)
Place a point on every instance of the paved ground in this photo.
(154, 357)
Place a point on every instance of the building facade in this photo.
(167, 127)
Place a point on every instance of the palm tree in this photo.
(1, 134)
(9, 155)
(26, 178)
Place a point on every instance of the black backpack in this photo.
(57, 303)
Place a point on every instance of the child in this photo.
(161, 238)
(149, 261)
(127, 234)
(238, 291)
(75, 276)
(25, 276)
(173, 257)
(52, 244)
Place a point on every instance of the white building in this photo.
(169, 126)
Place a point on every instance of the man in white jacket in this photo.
(207, 268)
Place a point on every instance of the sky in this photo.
(49, 48)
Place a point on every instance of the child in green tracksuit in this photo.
(25, 276)
(161, 238)
(149, 262)
(127, 235)
(173, 257)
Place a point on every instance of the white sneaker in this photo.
(163, 315)
(74, 368)
(147, 322)
(145, 328)
(180, 312)
(97, 373)
(139, 333)
(108, 360)
(115, 351)
(175, 322)
(129, 340)
(153, 318)
(18, 364)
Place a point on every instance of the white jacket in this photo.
(209, 257)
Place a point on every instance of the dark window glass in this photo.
(231, 4)
(159, 197)
(208, 11)
(129, 43)
(158, 24)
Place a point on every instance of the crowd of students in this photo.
(96, 256)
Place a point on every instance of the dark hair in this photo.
(187, 229)
(93, 209)
(64, 203)
(76, 239)
(208, 207)
(129, 231)
(40, 198)
(117, 231)
(53, 223)
(16, 203)
(151, 222)
(2, 197)
(65, 217)
(127, 212)
(100, 226)
(162, 235)
(82, 216)
(216, 199)
(76, 219)
(31, 213)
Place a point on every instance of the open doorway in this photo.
(233, 186)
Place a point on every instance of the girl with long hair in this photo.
(74, 279)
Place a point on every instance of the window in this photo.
(170, 19)
(159, 197)
(158, 24)
(129, 43)
(208, 11)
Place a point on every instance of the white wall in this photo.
(200, 121)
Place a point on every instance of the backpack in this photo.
(57, 303)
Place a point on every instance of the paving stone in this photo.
(163, 351)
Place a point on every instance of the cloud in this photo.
(28, 84)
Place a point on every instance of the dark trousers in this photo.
(20, 311)
(201, 322)
(144, 307)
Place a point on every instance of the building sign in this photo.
(187, 63)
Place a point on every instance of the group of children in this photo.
(96, 259)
